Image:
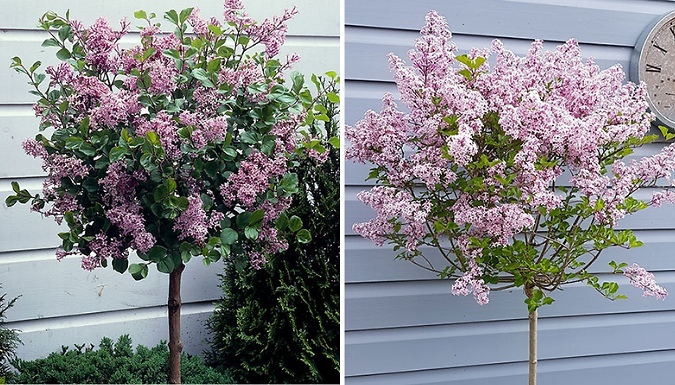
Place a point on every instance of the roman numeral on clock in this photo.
(653, 68)
(665, 51)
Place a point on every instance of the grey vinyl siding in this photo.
(60, 303)
(402, 324)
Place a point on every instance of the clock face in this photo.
(654, 63)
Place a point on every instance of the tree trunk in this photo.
(175, 343)
(532, 316)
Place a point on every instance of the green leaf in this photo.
(295, 223)
(251, 233)
(228, 236)
(243, 219)
(184, 14)
(334, 141)
(148, 52)
(171, 185)
(35, 66)
(11, 200)
(172, 53)
(166, 265)
(289, 183)
(466, 73)
(138, 271)
(117, 153)
(243, 40)
(141, 15)
(331, 74)
(214, 29)
(213, 65)
(51, 42)
(120, 265)
(15, 187)
(256, 218)
(65, 33)
(172, 16)
(282, 222)
(203, 76)
(16, 62)
(304, 236)
(63, 54)
(157, 253)
(153, 138)
(333, 97)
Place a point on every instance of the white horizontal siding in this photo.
(60, 303)
(402, 324)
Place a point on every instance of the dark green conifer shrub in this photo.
(9, 338)
(280, 324)
(112, 363)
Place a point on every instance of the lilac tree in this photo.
(514, 174)
(176, 148)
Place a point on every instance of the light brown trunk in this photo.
(175, 343)
(532, 316)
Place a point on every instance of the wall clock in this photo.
(653, 62)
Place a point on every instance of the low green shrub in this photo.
(9, 338)
(112, 363)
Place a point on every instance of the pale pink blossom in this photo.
(644, 280)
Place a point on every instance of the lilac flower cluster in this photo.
(644, 280)
(124, 210)
(252, 178)
(482, 148)
(471, 282)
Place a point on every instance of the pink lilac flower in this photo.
(272, 33)
(113, 109)
(163, 77)
(501, 222)
(379, 137)
(60, 254)
(193, 222)
(165, 127)
(252, 178)
(246, 74)
(644, 280)
(104, 247)
(90, 262)
(199, 25)
(101, 43)
(471, 282)
(123, 210)
(34, 148)
(389, 204)
(257, 259)
(234, 13)
(61, 74)
(268, 237)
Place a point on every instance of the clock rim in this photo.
(637, 60)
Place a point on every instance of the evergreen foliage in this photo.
(280, 324)
(9, 338)
(112, 363)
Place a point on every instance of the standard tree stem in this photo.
(532, 316)
(175, 343)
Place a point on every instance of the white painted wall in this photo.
(60, 303)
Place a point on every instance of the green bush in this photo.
(112, 363)
(280, 324)
(9, 338)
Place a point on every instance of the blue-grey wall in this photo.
(403, 326)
